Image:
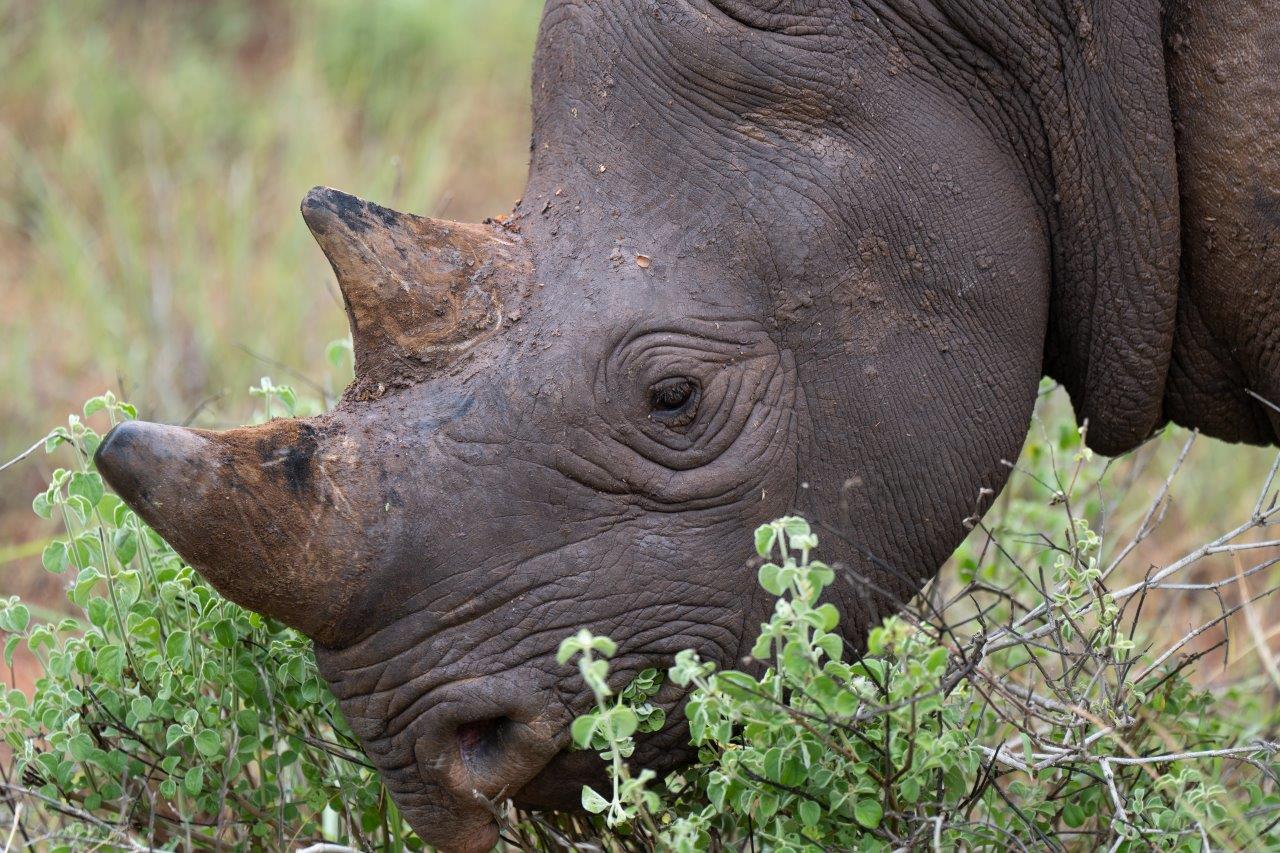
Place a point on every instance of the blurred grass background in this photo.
(153, 154)
(152, 157)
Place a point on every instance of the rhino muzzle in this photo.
(297, 518)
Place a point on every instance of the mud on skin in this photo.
(867, 229)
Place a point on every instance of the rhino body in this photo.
(773, 256)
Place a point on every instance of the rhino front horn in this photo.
(418, 291)
(253, 510)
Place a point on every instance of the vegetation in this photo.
(166, 715)
(1045, 727)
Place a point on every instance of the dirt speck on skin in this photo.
(871, 247)
(792, 305)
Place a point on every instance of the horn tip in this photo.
(135, 453)
(322, 205)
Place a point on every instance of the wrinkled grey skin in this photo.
(868, 228)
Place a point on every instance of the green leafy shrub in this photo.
(166, 715)
(1027, 706)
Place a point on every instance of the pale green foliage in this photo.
(812, 748)
(269, 392)
(166, 715)
(610, 729)
(1027, 706)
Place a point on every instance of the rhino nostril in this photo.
(481, 741)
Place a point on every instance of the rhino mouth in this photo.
(559, 784)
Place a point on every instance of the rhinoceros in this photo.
(772, 256)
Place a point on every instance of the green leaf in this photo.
(795, 526)
(128, 588)
(583, 729)
(208, 743)
(936, 662)
(42, 506)
(766, 535)
(81, 507)
(623, 722)
(792, 771)
(86, 581)
(795, 657)
(569, 647)
(846, 703)
(55, 438)
(831, 645)
(98, 611)
(657, 719)
(17, 619)
(224, 632)
(141, 708)
(337, 351)
(109, 663)
(773, 764)
(176, 647)
(868, 813)
(193, 781)
(81, 747)
(125, 543)
(87, 485)
(247, 721)
(770, 577)
(810, 812)
(821, 575)
(593, 802)
(767, 806)
(94, 405)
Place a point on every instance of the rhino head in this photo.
(769, 259)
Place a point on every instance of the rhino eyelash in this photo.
(674, 402)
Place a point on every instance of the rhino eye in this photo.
(674, 402)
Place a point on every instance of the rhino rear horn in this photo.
(418, 292)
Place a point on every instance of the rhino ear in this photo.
(1114, 223)
(418, 291)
